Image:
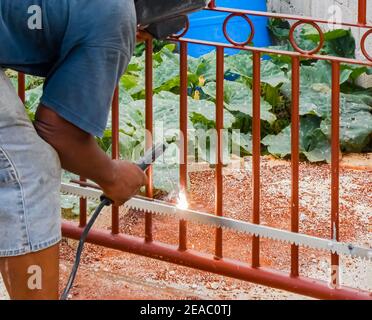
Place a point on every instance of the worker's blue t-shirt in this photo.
(81, 47)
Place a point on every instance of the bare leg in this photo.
(33, 276)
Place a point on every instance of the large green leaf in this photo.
(355, 129)
(131, 147)
(204, 142)
(238, 97)
(356, 117)
(166, 74)
(356, 70)
(204, 66)
(272, 74)
(166, 108)
(70, 204)
(33, 98)
(242, 141)
(363, 96)
(242, 65)
(321, 72)
(338, 42)
(166, 170)
(355, 124)
(302, 39)
(279, 28)
(316, 91)
(279, 144)
(314, 144)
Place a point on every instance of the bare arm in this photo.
(79, 153)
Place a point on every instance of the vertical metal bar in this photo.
(22, 87)
(82, 209)
(362, 12)
(149, 127)
(115, 153)
(335, 158)
(212, 4)
(183, 142)
(219, 152)
(256, 153)
(295, 157)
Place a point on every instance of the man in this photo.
(81, 47)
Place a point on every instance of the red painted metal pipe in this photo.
(362, 12)
(82, 209)
(275, 51)
(212, 4)
(293, 17)
(256, 154)
(115, 154)
(335, 162)
(115, 125)
(363, 46)
(22, 87)
(183, 142)
(149, 128)
(295, 158)
(220, 76)
(227, 267)
(297, 47)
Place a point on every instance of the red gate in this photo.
(216, 263)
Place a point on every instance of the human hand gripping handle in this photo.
(143, 164)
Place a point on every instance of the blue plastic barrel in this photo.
(208, 25)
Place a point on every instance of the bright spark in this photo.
(182, 201)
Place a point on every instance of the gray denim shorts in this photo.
(30, 177)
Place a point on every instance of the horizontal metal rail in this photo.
(361, 24)
(226, 267)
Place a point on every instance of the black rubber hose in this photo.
(105, 202)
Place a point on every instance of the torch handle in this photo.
(151, 155)
(144, 163)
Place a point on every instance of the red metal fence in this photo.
(216, 263)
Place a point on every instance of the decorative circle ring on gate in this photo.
(295, 45)
(363, 45)
(184, 30)
(227, 36)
